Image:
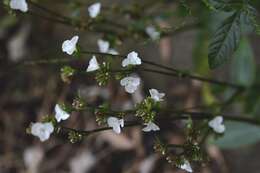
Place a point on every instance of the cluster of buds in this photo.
(67, 73)
(146, 109)
(103, 75)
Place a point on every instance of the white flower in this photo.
(42, 130)
(152, 32)
(112, 52)
(217, 124)
(93, 64)
(94, 9)
(186, 166)
(19, 5)
(155, 95)
(115, 123)
(151, 127)
(130, 83)
(60, 114)
(69, 46)
(131, 59)
(103, 45)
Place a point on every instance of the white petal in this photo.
(94, 9)
(217, 124)
(132, 59)
(103, 46)
(69, 46)
(19, 5)
(130, 88)
(42, 130)
(152, 32)
(121, 122)
(130, 83)
(60, 114)
(220, 129)
(93, 64)
(155, 95)
(151, 127)
(115, 123)
(186, 166)
(112, 52)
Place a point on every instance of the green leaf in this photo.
(225, 41)
(223, 5)
(243, 65)
(238, 134)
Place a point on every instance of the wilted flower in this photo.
(131, 59)
(103, 45)
(94, 9)
(152, 32)
(93, 64)
(130, 83)
(186, 166)
(155, 95)
(151, 127)
(42, 130)
(69, 46)
(60, 114)
(217, 124)
(19, 5)
(115, 123)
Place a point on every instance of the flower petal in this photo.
(93, 64)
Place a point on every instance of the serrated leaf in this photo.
(225, 41)
(238, 134)
(243, 64)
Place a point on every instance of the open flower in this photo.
(60, 114)
(42, 130)
(130, 83)
(131, 59)
(115, 123)
(103, 45)
(150, 127)
(186, 166)
(155, 95)
(94, 9)
(93, 64)
(69, 46)
(19, 5)
(217, 124)
(152, 32)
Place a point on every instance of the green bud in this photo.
(67, 73)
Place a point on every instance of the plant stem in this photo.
(192, 115)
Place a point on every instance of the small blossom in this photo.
(131, 59)
(152, 32)
(42, 130)
(94, 9)
(130, 83)
(155, 95)
(217, 124)
(19, 5)
(116, 124)
(60, 114)
(151, 127)
(69, 46)
(186, 166)
(93, 64)
(112, 52)
(103, 45)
